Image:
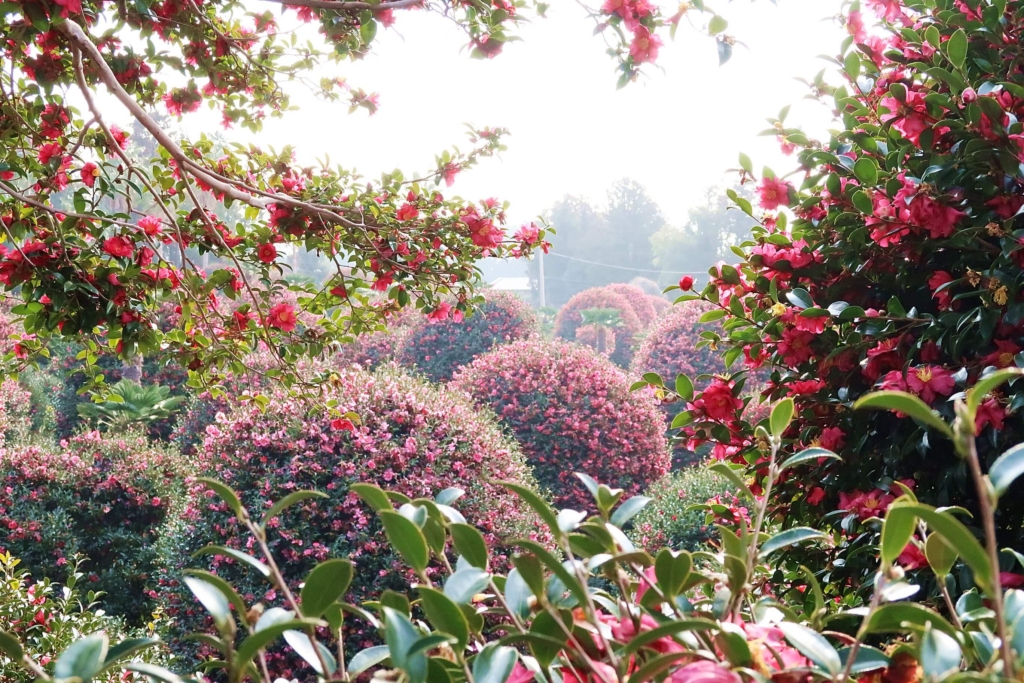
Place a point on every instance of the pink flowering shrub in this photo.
(102, 497)
(571, 411)
(16, 409)
(410, 437)
(570, 317)
(439, 348)
(638, 301)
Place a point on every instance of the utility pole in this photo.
(540, 268)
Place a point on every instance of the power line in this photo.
(636, 270)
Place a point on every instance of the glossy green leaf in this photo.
(790, 537)
(941, 556)
(868, 659)
(782, 415)
(733, 476)
(628, 510)
(494, 664)
(82, 658)
(534, 501)
(900, 617)
(373, 496)
(364, 659)
(470, 544)
(1006, 469)
(400, 635)
(235, 555)
(225, 588)
(309, 649)
(671, 570)
(226, 494)
(289, 500)
(940, 654)
(11, 646)
(444, 614)
(905, 403)
(986, 385)
(268, 633)
(326, 583)
(866, 171)
(212, 599)
(465, 583)
(956, 48)
(812, 645)
(813, 454)
(406, 538)
(154, 672)
(449, 496)
(684, 387)
(897, 530)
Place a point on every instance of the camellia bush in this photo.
(571, 411)
(638, 300)
(417, 439)
(671, 519)
(893, 261)
(601, 609)
(437, 348)
(570, 319)
(100, 499)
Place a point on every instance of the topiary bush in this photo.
(639, 301)
(668, 520)
(572, 411)
(411, 437)
(570, 318)
(105, 498)
(438, 349)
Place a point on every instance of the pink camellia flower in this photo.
(704, 672)
(930, 381)
(341, 424)
(408, 212)
(910, 119)
(267, 253)
(718, 401)
(912, 557)
(644, 47)
(440, 313)
(989, 413)
(49, 151)
(938, 279)
(832, 438)
(816, 495)
(805, 387)
(282, 316)
(520, 674)
(90, 172)
(773, 193)
(795, 346)
(934, 216)
(866, 505)
(150, 225)
(1003, 356)
(528, 233)
(118, 246)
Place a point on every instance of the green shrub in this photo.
(667, 519)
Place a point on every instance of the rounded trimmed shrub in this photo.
(638, 300)
(413, 437)
(570, 317)
(572, 411)
(667, 519)
(438, 349)
(102, 497)
(649, 287)
(660, 304)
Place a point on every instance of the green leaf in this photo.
(713, 315)
(729, 473)
(941, 556)
(800, 298)
(746, 164)
(226, 494)
(717, 25)
(154, 672)
(373, 496)
(807, 455)
(400, 635)
(83, 658)
(517, 594)
(731, 641)
(327, 582)
(307, 648)
(1006, 469)
(406, 538)
(126, 648)
(984, 386)
(470, 544)
(234, 554)
(225, 588)
(494, 664)
(784, 539)
(552, 563)
(286, 502)
(866, 171)
(212, 599)
(671, 570)
(534, 501)
(266, 634)
(449, 496)
(465, 583)
(684, 387)
(905, 403)
(956, 534)
(813, 646)
(956, 48)
(898, 617)
(11, 646)
(444, 614)
(868, 659)
(897, 530)
(940, 654)
(628, 510)
(669, 629)
(364, 659)
(782, 415)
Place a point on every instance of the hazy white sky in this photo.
(676, 131)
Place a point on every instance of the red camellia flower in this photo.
(267, 253)
(408, 212)
(118, 246)
(343, 425)
(49, 151)
(150, 225)
(929, 381)
(718, 401)
(773, 193)
(90, 172)
(686, 283)
(282, 316)
(645, 45)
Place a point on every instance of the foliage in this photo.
(48, 617)
(675, 615)
(597, 329)
(104, 498)
(669, 520)
(16, 408)
(570, 318)
(638, 301)
(901, 270)
(130, 403)
(413, 437)
(570, 410)
(438, 348)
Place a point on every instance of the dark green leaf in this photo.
(11, 647)
(373, 496)
(813, 454)
(905, 403)
(956, 48)
(812, 645)
(444, 614)
(226, 494)
(327, 582)
(470, 544)
(289, 500)
(82, 658)
(1006, 469)
(789, 537)
(406, 538)
(234, 554)
(494, 664)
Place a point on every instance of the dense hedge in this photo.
(638, 300)
(438, 349)
(668, 520)
(570, 318)
(572, 411)
(412, 437)
(105, 498)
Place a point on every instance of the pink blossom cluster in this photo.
(571, 411)
(570, 317)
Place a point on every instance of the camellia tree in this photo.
(901, 271)
(95, 238)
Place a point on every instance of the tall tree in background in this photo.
(710, 230)
(632, 218)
